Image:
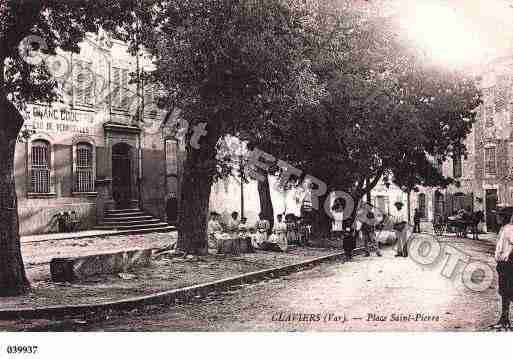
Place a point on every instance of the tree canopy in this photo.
(380, 108)
(50, 24)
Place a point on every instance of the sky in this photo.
(458, 32)
(492, 20)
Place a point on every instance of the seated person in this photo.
(232, 227)
(278, 239)
(290, 221)
(245, 236)
(215, 230)
(243, 228)
(254, 237)
(262, 227)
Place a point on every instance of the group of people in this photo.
(368, 219)
(286, 230)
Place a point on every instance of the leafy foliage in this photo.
(383, 109)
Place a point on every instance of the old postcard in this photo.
(255, 166)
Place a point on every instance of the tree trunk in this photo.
(193, 209)
(266, 205)
(198, 175)
(13, 279)
(408, 205)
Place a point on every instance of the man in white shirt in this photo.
(400, 227)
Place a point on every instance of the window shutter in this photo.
(88, 85)
(84, 89)
(116, 83)
(490, 161)
(124, 89)
(84, 179)
(40, 167)
(457, 167)
(79, 89)
(171, 148)
(489, 111)
(150, 101)
(501, 93)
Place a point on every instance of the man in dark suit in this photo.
(172, 209)
(416, 221)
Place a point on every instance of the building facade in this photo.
(98, 147)
(485, 176)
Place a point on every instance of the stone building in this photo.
(98, 148)
(484, 177)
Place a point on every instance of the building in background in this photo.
(485, 176)
(96, 148)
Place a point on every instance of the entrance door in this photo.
(121, 175)
(491, 207)
(439, 205)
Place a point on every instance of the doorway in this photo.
(491, 207)
(439, 205)
(122, 175)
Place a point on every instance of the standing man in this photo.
(504, 258)
(337, 223)
(369, 235)
(232, 228)
(400, 231)
(172, 209)
(416, 221)
(477, 218)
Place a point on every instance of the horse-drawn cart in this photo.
(458, 224)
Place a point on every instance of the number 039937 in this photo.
(22, 349)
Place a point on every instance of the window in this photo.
(457, 168)
(84, 170)
(501, 93)
(438, 164)
(171, 153)
(150, 101)
(458, 201)
(40, 167)
(489, 112)
(489, 159)
(439, 204)
(171, 157)
(120, 92)
(422, 205)
(84, 89)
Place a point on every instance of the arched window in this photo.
(40, 166)
(84, 175)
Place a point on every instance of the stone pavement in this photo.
(67, 235)
(367, 294)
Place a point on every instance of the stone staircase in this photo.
(132, 221)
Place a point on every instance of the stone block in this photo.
(75, 268)
(235, 246)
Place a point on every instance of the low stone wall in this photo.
(76, 268)
(39, 216)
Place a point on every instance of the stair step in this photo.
(123, 215)
(128, 226)
(132, 220)
(128, 219)
(127, 210)
(148, 230)
(130, 223)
